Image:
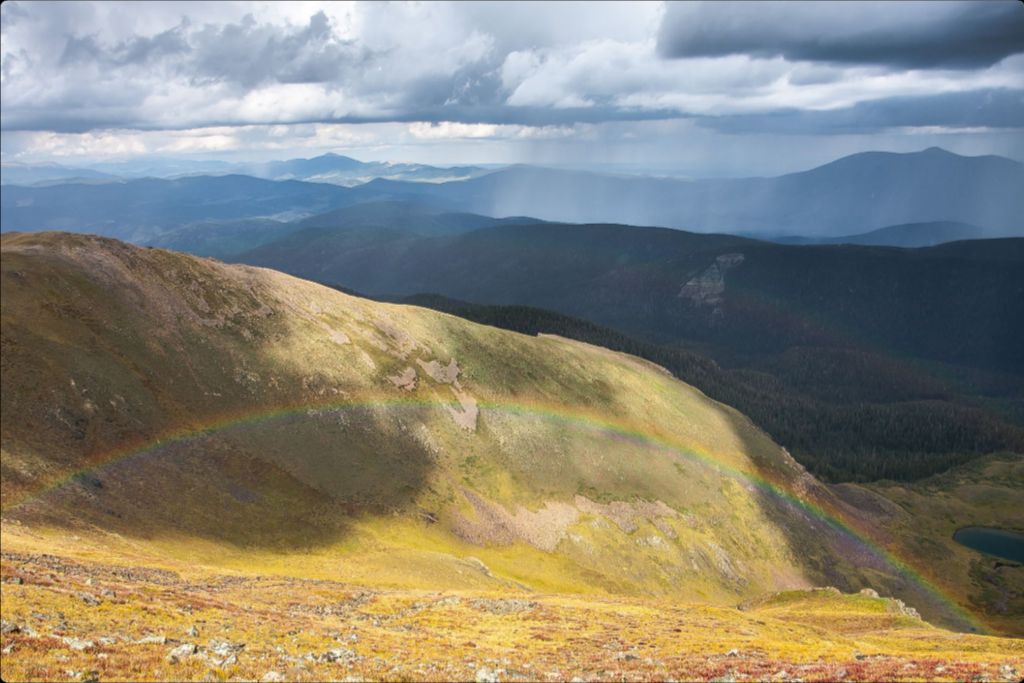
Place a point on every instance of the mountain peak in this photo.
(938, 151)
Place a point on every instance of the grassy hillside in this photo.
(238, 417)
(865, 362)
(396, 429)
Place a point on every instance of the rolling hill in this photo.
(908, 235)
(231, 415)
(324, 485)
(142, 209)
(372, 222)
(865, 362)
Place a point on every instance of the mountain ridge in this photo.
(851, 195)
(488, 446)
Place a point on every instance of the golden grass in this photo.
(290, 625)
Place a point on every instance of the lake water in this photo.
(1008, 545)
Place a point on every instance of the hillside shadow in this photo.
(157, 419)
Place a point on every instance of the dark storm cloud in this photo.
(134, 51)
(80, 67)
(899, 34)
(67, 121)
(250, 54)
(246, 54)
(1000, 108)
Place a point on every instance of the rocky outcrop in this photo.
(706, 289)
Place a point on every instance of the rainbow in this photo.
(585, 420)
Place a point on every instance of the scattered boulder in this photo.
(503, 606)
(223, 653)
(869, 592)
(77, 643)
(152, 640)
(339, 654)
(485, 675)
(272, 677)
(900, 607)
(181, 652)
(9, 627)
(88, 599)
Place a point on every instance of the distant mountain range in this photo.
(859, 194)
(334, 169)
(14, 173)
(341, 170)
(852, 195)
(140, 209)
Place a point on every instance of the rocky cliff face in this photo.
(706, 289)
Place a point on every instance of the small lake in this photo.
(1008, 545)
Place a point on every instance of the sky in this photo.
(700, 89)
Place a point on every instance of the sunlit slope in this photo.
(175, 406)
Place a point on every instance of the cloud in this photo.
(978, 111)
(195, 77)
(907, 34)
(448, 130)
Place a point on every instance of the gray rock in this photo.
(485, 675)
(152, 640)
(77, 643)
(88, 599)
(9, 627)
(223, 648)
(272, 677)
(342, 654)
(871, 593)
(181, 652)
